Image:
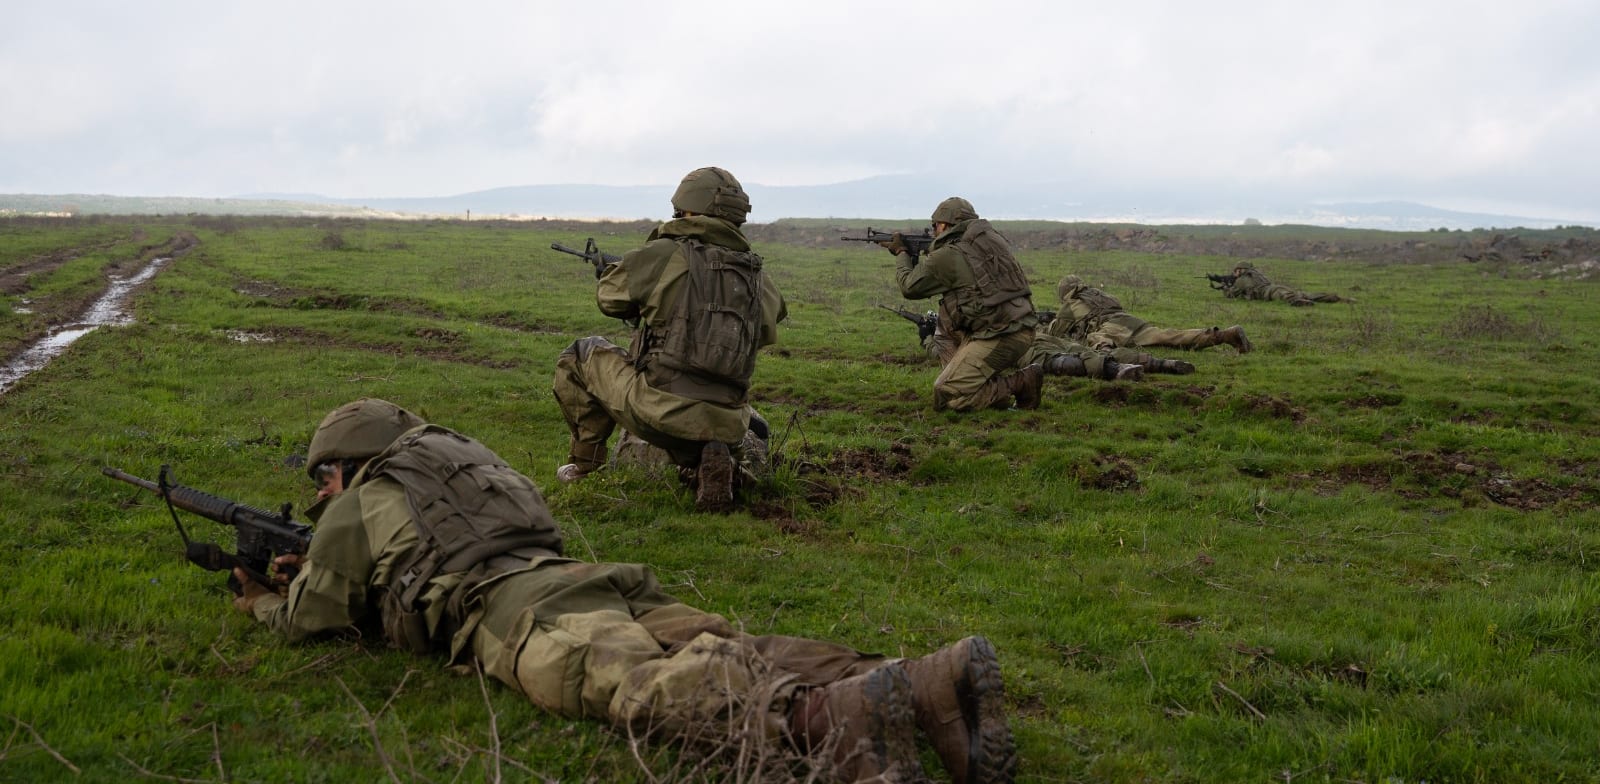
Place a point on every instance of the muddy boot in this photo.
(1065, 365)
(582, 459)
(960, 707)
(1027, 385)
(1173, 367)
(1234, 336)
(1117, 371)
(714, 479)
(753, 459)
(870, 724)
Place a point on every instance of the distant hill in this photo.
(896, 198)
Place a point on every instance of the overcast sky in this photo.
(1488, 105)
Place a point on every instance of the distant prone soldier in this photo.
(1059, 356)
(1247, 282)
(1097, 319)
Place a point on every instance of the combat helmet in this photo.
(358, 430)
(712, 191)
(1248, 265)
(1068, 285)
(954, 210)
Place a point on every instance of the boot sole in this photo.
(892, 723)
(992, 753)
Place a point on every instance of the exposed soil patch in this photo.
(1375, 401)
(518, 323)
(1111, 394)
(823, 483)
(1418, 475)
(17, 279)
(1107, 472)
(872, 465)
(805, 404)
(1275, 407)
(442, 349)
(1533, 494)
(902, 360)
(60, 320)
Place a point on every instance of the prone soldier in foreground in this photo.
(428, 534)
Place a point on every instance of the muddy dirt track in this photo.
(61, 319)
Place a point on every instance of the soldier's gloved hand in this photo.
(896, 245)
(926, 327)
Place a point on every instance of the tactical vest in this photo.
(707, 350)
(1000, 287)
(472, 513)
(1090, 308)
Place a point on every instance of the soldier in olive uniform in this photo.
(1063, 357)
(1098, 319)
(682, 385)
(985, 302)
(429, 536)
(1249, 283)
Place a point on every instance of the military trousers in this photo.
(598, 387)
(1136, 332)
(604, 641)
(1045, 347)
(972, 377)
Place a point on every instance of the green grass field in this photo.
(1358, 554)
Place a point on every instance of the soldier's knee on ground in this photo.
(581, 349)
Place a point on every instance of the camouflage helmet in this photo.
(1238, 265)
(954, 210)
(1068, 285)
(358, 430)
(712, 191)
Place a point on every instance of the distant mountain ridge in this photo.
(890, 198)
(902, 197)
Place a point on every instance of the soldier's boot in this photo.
(1174, 367)
(960, 707)
(1234, 336)
(713, 490)
(582, 460)
(868, 721)
(1065, 365)
(1027, 386)
(1118, 371)
(753, 457)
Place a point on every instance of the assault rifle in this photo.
(1222, 282)
(916, 244)
(590, 253)
(926, 322)
(262, 535)
(1045, 316)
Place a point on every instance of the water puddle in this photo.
(109, 310)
